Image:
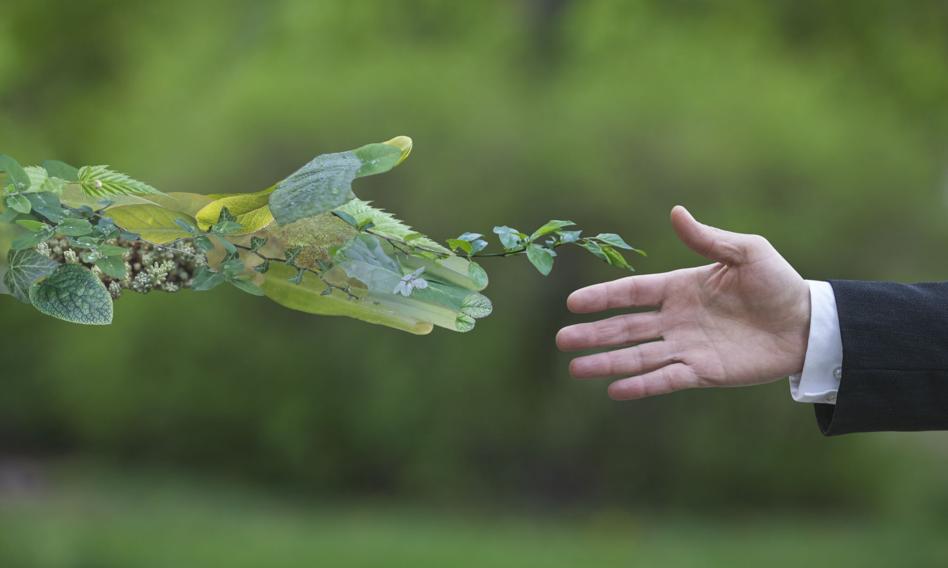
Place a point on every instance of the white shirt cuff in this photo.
(823, 366)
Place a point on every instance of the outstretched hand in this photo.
(742, 320)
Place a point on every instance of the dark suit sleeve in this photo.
(895, 358)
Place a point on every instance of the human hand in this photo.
(743, 320)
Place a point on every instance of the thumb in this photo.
(710, 242)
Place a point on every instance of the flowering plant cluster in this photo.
(83, 236)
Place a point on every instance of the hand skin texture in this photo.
(742, 320)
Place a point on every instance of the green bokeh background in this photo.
(823, 126)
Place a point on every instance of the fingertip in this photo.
(562, 339)
(679, 210)
(576, 302)
(626, 389)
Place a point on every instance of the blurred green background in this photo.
(220, 429)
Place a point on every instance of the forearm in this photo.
(895, 358)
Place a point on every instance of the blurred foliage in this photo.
(823, 127)
(95, 518)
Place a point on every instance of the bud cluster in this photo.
(148, 267)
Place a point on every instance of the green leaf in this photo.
(613, 240)
(100, 181)
(15, 173)
(204, 243)
(30, 240)
(114, 266)
(24, 268)
(247, 286)
(155, 224)
(72, 293)
(310, 296)
(206, 279)
(48, 205)
(32, 225)
(61, 170)
(347, 218)
(550, 227)
(458, 244)
(385, 225)
(111, 250)
(185, 225)
(73, 227)
(569, 236)
(541, 258)
(477, 243)
(257, 242)
(19, 203)
(326, 182)
(250, 211)
(510, 238)
(595, 249)
(615, 258)
(41, 181)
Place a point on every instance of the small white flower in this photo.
(43, 249)
(115, 289)
(70, 256)
(411, 282)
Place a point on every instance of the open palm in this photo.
(742, 320)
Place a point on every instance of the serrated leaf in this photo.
(613, 240)
(24, 267)
(326, 182)
(155, 224)
(72, 293)
(15, 173)
(550, 227)
(100, 181)
(541, 258)
(386, 225)
(113, 266)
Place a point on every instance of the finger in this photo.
(671, 378)
(628, 361)
(618, 330)
(710, 242)
(631, 291)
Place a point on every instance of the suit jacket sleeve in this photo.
(895, 358)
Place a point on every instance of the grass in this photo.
(97, 518)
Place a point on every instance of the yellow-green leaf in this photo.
(251, 210)
(309, 296)
(153, 223)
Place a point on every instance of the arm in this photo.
(745, 319)
(895, 364)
